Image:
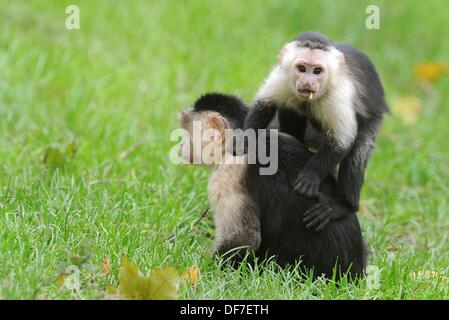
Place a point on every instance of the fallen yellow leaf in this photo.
(71, 149)
(159, 285)
(430, 70)
(54, 157)
(407, 108)
(111, 290)
(429, 274)
(191, 275)
(163, 283)
(106, 266)
(60, 280)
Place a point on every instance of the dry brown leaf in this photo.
(191, 275)
(106, 266)
(431, 70)
(407, 108)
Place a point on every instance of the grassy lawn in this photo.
(113, 89)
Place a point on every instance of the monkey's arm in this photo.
(350, 180)
(259, 117)
(351, 173)
(321, 164)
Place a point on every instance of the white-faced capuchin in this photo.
(261, 212)
(332, 90)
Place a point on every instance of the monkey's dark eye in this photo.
(317, 70)
(301, 69)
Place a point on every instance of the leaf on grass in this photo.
(111, 290)
(159, 285)
(431, 70)
(60, 280)
(54, 157)
(407, 108)
(191, 275)
(106, 266)
(429, 275)
(83, 256)
(162, 284)
(71, 149)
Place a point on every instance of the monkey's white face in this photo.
(309, 70)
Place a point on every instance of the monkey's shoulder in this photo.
(349, 50)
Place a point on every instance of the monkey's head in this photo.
(311, 62)
(209, 124)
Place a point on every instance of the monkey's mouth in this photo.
(305, 93)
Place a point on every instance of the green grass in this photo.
(117, 84)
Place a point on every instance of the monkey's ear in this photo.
(285, 49)
(218, 123)
(341, 58)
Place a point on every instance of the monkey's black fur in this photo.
(230, 107)
(369, 110)
(313, 40)
(281, 211)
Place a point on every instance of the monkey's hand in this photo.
(325, 211)
(308, 183)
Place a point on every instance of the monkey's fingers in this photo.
(315, 221)
(324, 223)
(313, 211)
(313, 189)
(300, 186)
(306, 188)
(318, 217)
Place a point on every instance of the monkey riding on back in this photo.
(329, 96)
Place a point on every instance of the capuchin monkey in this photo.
(329, 96)
(260, 215)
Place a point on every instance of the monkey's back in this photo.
(363, 70)
(285, 235)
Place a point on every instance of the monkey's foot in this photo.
(307, 183)
(318, 216)
(234, 258)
